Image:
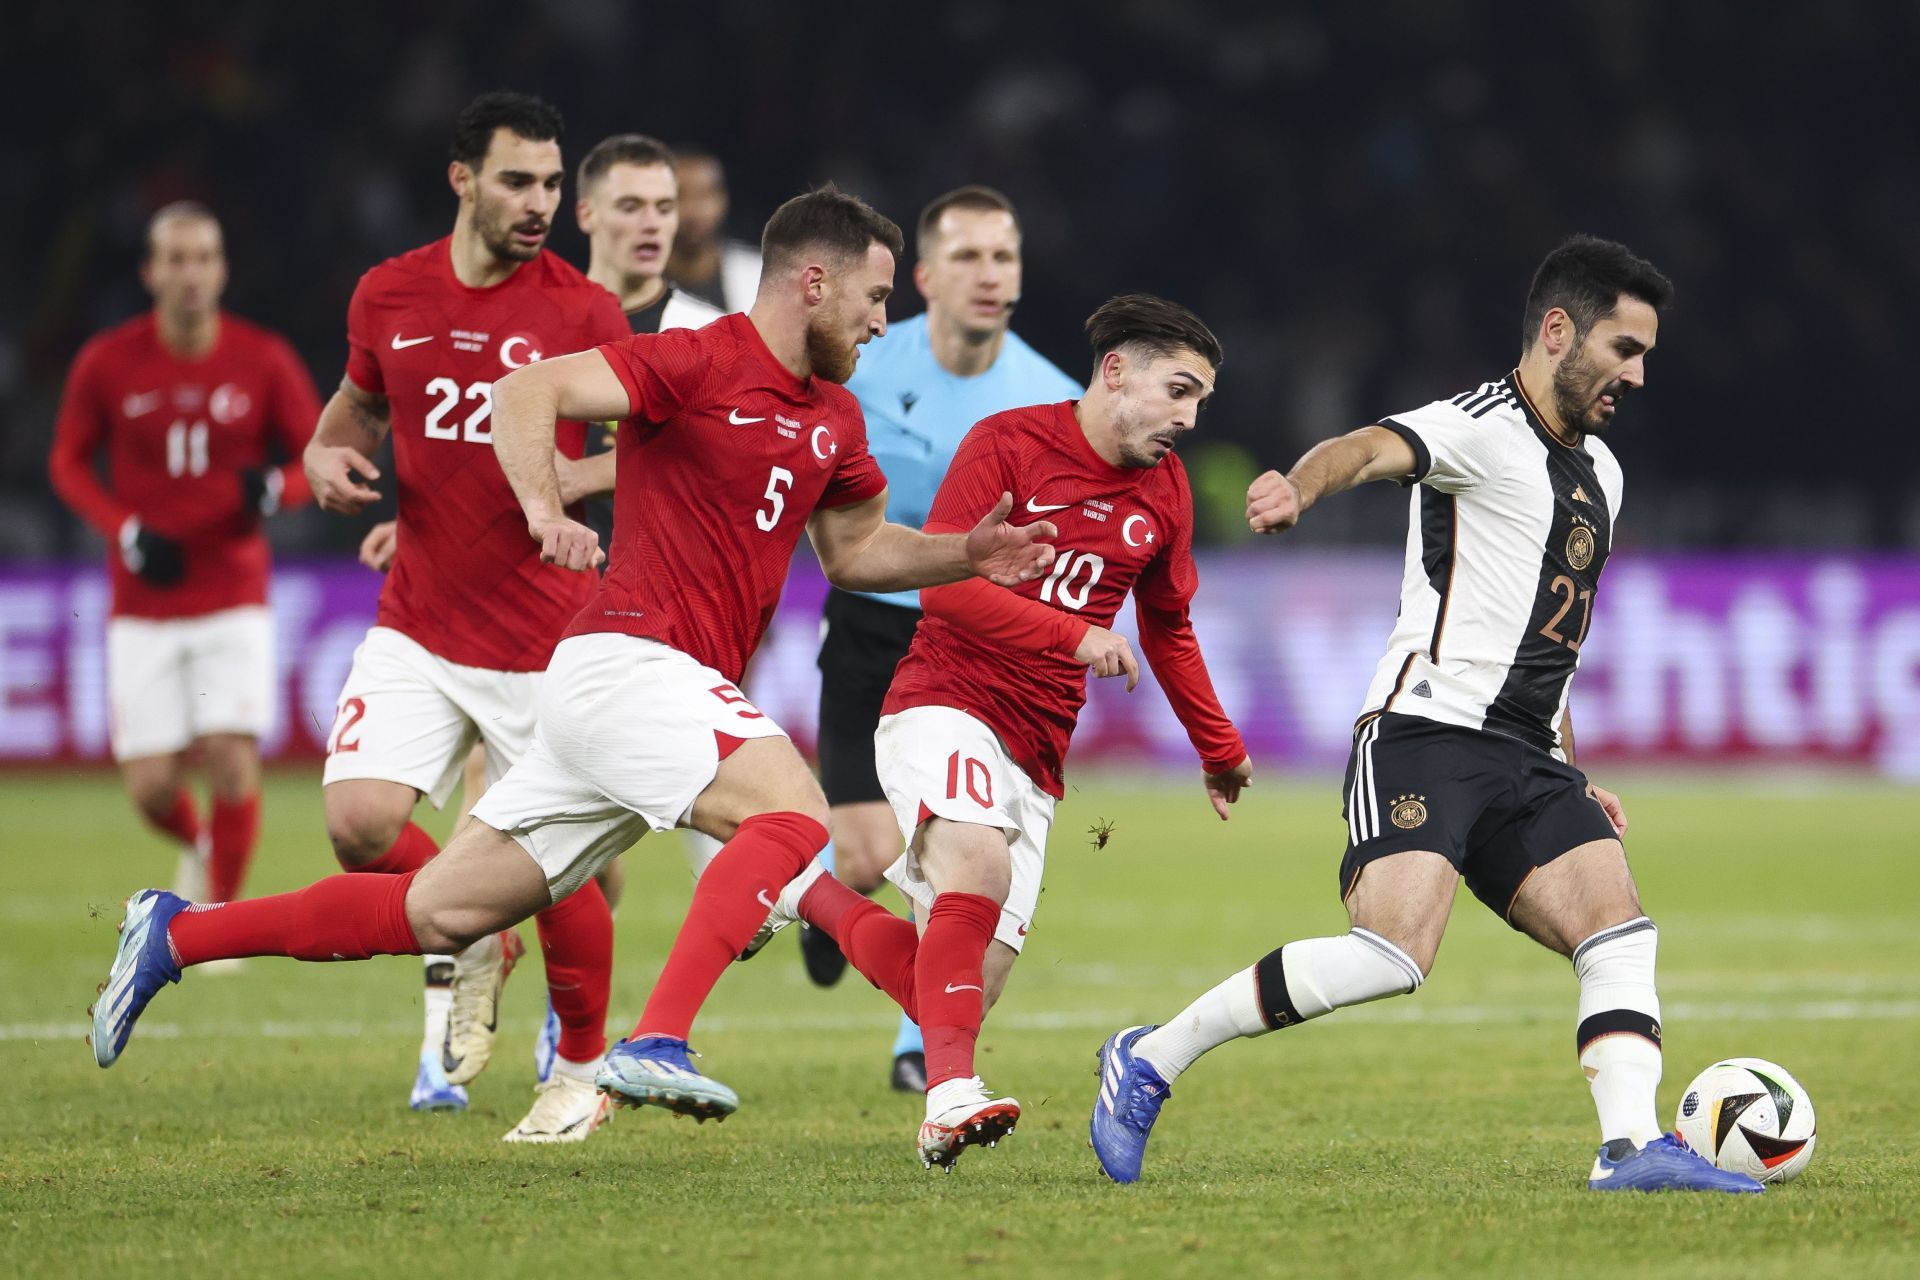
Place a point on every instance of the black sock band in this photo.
(1618, 1022)
(1270, 981)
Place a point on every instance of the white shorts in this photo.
(171, 680)
(631, 733)
(409, 716)
(938, 762)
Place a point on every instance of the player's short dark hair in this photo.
(826, 218)
(1150, 325)
(972, 196)
(1585, 277)
(177, 211)
(524, 115)
(636, 149)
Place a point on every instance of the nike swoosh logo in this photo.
(1037, 509)
(739, 421)
(762, 898)
(401, 344)
(135, 406)
(961, 986)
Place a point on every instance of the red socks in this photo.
(730, 903)
(576, 938)
(876, 942)
(236, 828)
(410, 851)
(181, 822)
(948, 980)
(339, 918)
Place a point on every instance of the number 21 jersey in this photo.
(467, 582)
(1510, 526)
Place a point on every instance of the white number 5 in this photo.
(768, 519)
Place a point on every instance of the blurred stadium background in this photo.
(1354, 196)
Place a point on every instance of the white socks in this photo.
(437, 1000)
(576, 1070)
(1619, 1031)
(1301, 980)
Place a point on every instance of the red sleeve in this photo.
(296, 410)
(1002, 616)
(77, 436)
(1161, 596)
(979, 473)
(661, 371)
(856, 476)
(363, 362)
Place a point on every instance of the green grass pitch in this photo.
(257, 1124)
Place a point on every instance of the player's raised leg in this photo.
(1399, 908)
(764, 795)
(1584, 906)
(489, 886)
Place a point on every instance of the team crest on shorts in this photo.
(1580, 547)
(1409, 812)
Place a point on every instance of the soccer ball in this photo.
(1748, 1116)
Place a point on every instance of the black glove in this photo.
(260, 489)
(153, 556)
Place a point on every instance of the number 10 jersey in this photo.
(1509, 528)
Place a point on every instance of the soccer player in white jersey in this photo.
(1462, 764)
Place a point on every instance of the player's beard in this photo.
(496, 232)
(828, 354)
(1577, 392)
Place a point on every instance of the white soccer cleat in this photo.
(785, 909)
(479, 974)
(973, 1120)
(565, 1109)
(190, 873)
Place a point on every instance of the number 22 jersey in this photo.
(467, 583)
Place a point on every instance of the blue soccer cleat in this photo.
(431, 1089)
(546, 1045)
(657, 1071)
(142, 964)
(1665, 1164)
(1128, 1103)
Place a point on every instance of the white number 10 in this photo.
(768, 519)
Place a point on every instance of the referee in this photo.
(922, 386)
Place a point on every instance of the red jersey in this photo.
(1121, 529)
(467, 582)
(178, 435)
(724, 457)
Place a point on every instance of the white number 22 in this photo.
(769, 518)
(478, 429)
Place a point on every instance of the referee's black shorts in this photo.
(862, 641)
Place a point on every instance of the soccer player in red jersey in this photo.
(187, 401)
(973, 734)
(734, 439)
(468, 615)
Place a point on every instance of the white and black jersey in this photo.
(1509, 528)
(674, 309)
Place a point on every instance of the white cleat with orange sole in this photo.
(565, 1109)
(972, 1121)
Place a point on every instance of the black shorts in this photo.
(862, 642)
(1495, 807)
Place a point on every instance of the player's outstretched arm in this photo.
(1276, 502)
(861, 551)
(337, 458)
(526, 405)
(1173, 651)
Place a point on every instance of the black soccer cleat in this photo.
(826, 963)
(910, 1073)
